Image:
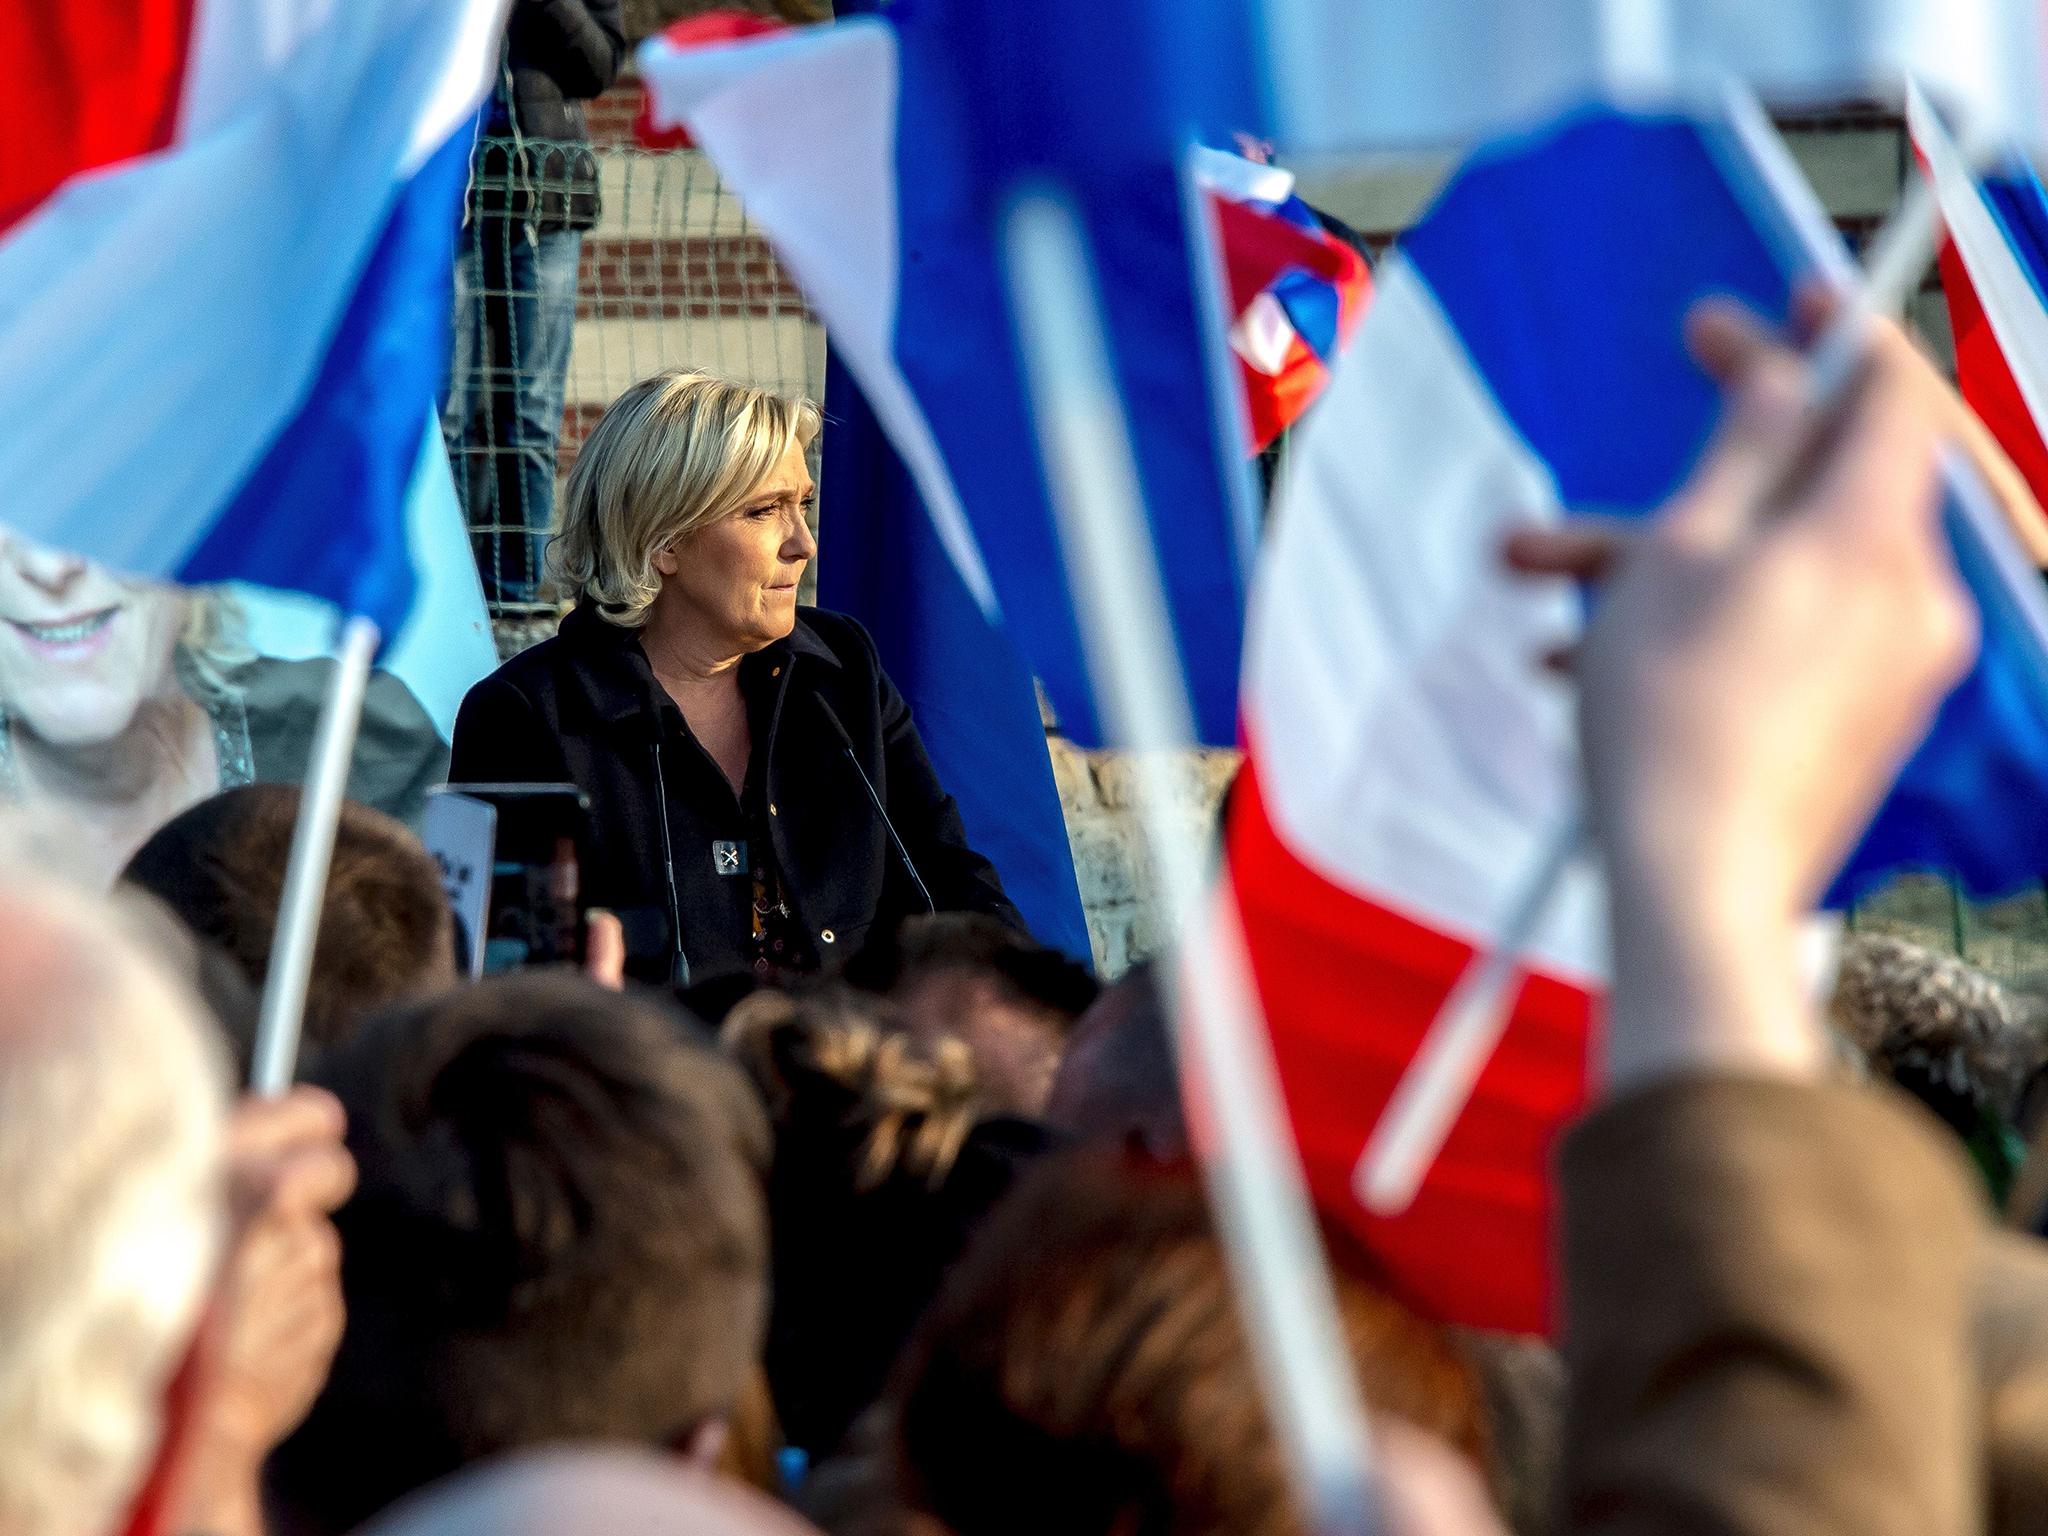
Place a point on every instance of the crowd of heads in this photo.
(915, 1247)
(918, 1247)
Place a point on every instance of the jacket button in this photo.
(771, 809)
(775, 671)
(828, 936)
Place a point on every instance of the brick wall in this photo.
(610, 117)
(682, 277)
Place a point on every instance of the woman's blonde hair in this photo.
(214, 641)
(672, 454)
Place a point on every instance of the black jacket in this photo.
(582, 708)
(534, 162)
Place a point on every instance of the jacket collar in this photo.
(615, 677)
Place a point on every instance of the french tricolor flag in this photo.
(1296, 291)
(1994, 272)
(1408, 760)
(226, 236)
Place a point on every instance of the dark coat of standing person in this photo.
(558, 54)
(725, 736)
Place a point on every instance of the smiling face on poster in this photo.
(105, 729)
(123, 703)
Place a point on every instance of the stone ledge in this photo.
(1119, 887)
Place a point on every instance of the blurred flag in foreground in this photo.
(1406, 758)
(1345, 76)
(917, 126)
(969, 690)
(1994, 272)
(226, 237)
(1296, 290)
(707, 30)
(224, 280)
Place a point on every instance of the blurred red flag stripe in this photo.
(90, 83)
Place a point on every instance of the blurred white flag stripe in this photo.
(1415, 73)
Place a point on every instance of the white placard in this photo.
(461, 832)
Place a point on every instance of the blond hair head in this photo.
(113, 1102)
(672, 454)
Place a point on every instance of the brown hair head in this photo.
(386, 931)
(1084, 1370)
(559, 1234)
(916, 1101)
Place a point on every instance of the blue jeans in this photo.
(515, 315)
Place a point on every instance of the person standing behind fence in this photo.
(533, 192)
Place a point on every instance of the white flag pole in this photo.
(1252, 1165)
(1461, 1039)
(305, 875)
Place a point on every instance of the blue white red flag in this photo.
(1407, 760)
(919, 126)
(226, 238)
(1994, 271)
(1296, 290)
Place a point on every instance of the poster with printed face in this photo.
(124, 702)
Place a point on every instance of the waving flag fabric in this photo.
(1994, 271)
(1296, 291)
(918, 126)
(969, 690)
(1346, 76)
(224, 280)
(1407, 760)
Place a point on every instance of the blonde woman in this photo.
(760, 797)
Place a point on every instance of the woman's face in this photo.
(79, 649)
(736, 579)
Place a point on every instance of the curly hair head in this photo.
(1918, 1016)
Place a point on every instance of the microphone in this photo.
(903, 853)
(679, 969)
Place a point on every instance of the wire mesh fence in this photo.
(552, 322)
(2007, 939)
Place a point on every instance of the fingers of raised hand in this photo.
(1760, 436)
(261, 1126)
(295, 1287)
(1868, 517)
(1583, 549)
(287, 1155)
(604, 948)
